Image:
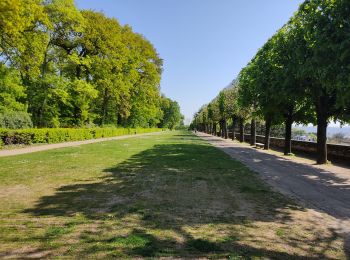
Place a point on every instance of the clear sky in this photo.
(204, 43)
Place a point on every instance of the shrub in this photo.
(15, 137)
(39, 135)
(58, 135)
(15, 120)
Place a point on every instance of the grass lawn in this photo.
(167, 195)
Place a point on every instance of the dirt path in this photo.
(325, 188)
(44, 147)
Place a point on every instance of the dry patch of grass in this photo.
(170, 195)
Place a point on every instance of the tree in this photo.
(11, 90)
(49, 90)
(20, 29)
(325, 27)
(172, 117)
(301, 72)
(73, 67)
(213, 116)
(223, 115)
(201, 119)
(98, 59)
(232, 107)
(255, 92)
(293, 102)
(145, 89)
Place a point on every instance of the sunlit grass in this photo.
(165, 195)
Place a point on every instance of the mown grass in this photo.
(154, 196)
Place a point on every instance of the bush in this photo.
(58, 135)
(15, 120)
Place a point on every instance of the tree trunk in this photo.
(119, 119)
(43, 105)
(267, 134)
(225, 129)
(241, 130)
(214, 129)
(321, 111)
(221, 129)
(104, 106)
(41, 122)
(288, 135)
(253, 132)
(233, 127)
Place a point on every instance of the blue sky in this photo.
(204, 43)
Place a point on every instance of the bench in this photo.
(259, 145)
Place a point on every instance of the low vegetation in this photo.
(170, 195)
(58, 135)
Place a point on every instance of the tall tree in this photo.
(172, 117)
(76, 67)
(326, 30)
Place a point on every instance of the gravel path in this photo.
(325, 188)
(44, 147)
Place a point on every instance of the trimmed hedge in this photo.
(59, 135)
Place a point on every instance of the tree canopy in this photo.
(69, 67)
(301, 74)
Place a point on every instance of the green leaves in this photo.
(76, 67)
(11, 90)
(301, 74)
(171, 117)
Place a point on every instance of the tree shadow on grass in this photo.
(173, 187)
(140, 243)
(172, 180)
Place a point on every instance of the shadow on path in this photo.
(318, 188)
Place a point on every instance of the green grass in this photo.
(170, 194)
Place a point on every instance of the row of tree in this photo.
(301, 75)
(68, 67)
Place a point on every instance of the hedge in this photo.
(58, 135)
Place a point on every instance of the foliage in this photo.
(298, 132)
(15, 120)
(58, 135)
(172, 117)
(70, 67)
(12, 92)
(301, 74)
